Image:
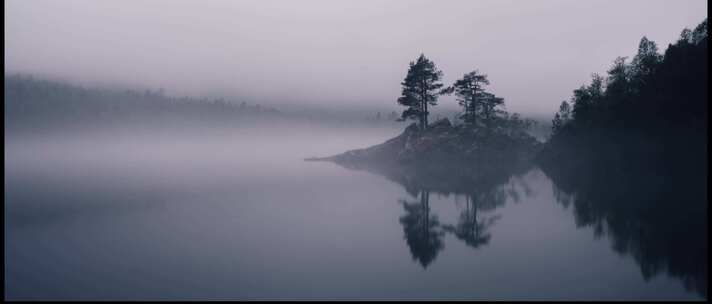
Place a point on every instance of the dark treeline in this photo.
(651, 111)
(629, 153)
(38, 103)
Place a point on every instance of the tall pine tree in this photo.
(421, 87)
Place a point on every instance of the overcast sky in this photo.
(535, 52)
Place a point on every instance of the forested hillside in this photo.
(32, 103)
(649, 111)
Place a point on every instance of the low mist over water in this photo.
(356, 150)
(236, 213)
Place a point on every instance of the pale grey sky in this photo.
(336, 52)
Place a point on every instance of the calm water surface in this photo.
(239, 215)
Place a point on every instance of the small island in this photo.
(485, 139)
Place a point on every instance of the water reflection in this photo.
(484, 187)
(657, 216)
(470, 229)
(423, 231)
(166, 223)
(34, 201)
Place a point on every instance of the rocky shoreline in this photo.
(444, 157)
(443, 142)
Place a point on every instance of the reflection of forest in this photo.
(659, 217)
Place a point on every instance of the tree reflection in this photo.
(423, 231)
(656, 215)
(469, 228)
(486, 187)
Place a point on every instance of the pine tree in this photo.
(420, 89)
(488, 104)
(477, 103)
(645, 62)
(561, 117)
(468, 89)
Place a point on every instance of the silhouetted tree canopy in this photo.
(655, 99)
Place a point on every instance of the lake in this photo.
(237, 214)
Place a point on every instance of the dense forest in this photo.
(649, 111)
(629, 154)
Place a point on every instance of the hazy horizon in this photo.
(335, 53)
(287, 150)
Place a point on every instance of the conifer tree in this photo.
(421, 88)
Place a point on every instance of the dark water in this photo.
(239, 215)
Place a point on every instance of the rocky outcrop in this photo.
(444, 158)
(443, 143)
